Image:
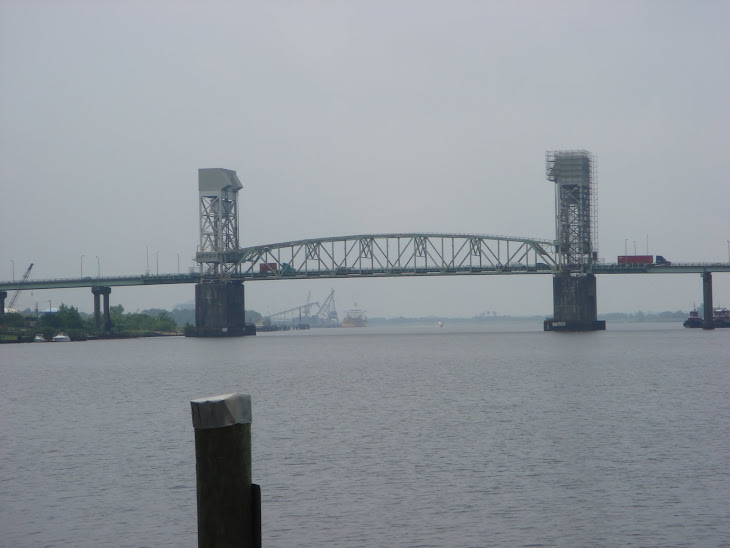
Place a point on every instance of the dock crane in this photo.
(327, 313)
(299, 309)
(17, 292)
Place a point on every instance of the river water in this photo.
(461, 436)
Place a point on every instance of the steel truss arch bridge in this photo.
(381, 255)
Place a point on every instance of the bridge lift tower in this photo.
(219, 299)
(574, 286)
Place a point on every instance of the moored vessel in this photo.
(62, 337)
(693, 320)
(355, 317)
(720, 318)
(39, 338)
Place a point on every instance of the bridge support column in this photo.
(708, 321)
(574, 304)
(219, 310)
(105, 291)
(3, 295)
(97, 308)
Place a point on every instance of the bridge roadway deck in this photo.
(191, 278)
(674, 268)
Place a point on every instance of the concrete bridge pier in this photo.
(3, 295)
(219, 310)
(97, 292)
(574, 304)
(708, 320)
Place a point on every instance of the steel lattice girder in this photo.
(574, 224)
(573, 172)
(389, 255)
(218, 230)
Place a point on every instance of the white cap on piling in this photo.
(219, 411)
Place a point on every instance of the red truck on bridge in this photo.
(274, 268)
(642, 259)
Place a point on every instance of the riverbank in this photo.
(28, 337)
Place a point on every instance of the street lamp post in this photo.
(82, 265)
(626, 246)
(98, 267)
(634, 247)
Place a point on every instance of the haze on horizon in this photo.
(361, 117)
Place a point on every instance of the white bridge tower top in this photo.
(218, 190)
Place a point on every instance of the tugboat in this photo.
(694, 319)
(720, 318)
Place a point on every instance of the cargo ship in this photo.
(355, 317)
(720, 318)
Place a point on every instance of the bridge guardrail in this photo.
(350, 272)
(88, 281)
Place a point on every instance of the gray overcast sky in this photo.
(356, 117)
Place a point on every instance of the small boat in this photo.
(39, 338)
(441, 324)
(62, 337)
(694, 319)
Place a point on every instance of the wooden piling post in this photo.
(229, 512)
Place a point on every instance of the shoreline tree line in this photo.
(24, 325)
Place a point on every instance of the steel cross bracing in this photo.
(389, 255)
(572, 171)
(218, 226)
(574, 227)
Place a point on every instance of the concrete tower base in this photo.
(574, 304)
(219, 310)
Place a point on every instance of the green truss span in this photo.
(408, 254)
(373, 255)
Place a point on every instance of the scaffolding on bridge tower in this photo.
(218, 189)
(573, 172)
(574, 286)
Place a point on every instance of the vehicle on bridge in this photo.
(643, 259)
(274, 268)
